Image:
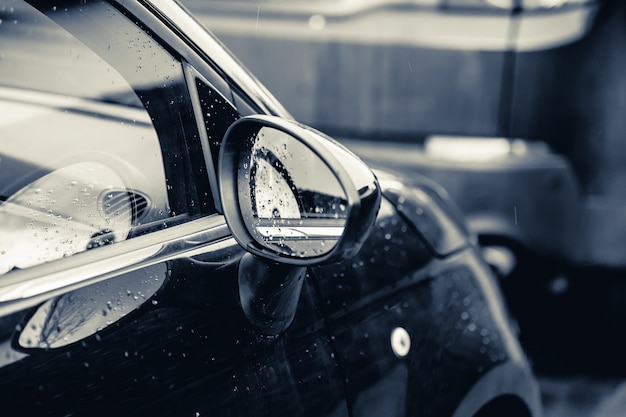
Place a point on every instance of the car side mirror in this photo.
(292, 195)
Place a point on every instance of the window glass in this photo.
(83, 162)
(217, 114)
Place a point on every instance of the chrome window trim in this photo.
(21, 289)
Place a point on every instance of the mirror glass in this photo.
(291, 201)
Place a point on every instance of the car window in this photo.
(217, 115)
(92, 135)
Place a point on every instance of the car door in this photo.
(118, 286)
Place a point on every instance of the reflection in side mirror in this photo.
(291, 194)
(289, 197)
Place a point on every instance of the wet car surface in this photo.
(171, 242)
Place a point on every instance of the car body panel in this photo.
(178, 354)
(364, 313)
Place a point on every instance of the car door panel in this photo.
(188, 344)
(293, 373)
(415, 314)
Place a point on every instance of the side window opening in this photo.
(216, 114)
(98, 148)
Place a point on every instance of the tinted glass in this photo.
(83, 162)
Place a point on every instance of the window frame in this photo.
(205, 233)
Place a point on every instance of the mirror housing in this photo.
(293, 195)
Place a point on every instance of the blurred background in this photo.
(517, 108)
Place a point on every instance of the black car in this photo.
(173, 243)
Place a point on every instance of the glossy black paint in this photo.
(269, 293)
(442, 305)
(188, 350)
(191, 350)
